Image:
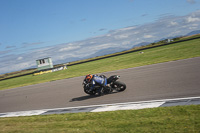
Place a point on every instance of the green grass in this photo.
(181, 119)
(177, 51)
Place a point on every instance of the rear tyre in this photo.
(119, 86)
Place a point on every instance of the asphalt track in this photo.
(175, 79)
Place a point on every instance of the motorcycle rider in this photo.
(94, 80)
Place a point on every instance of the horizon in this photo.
(66, 30)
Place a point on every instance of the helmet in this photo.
(88, 77)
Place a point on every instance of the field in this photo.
(176, 51)
(181, 119)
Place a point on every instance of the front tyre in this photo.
(119, 86)
(87, 90)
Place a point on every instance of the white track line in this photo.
(23, 113)
(128, 106)
(101, 108)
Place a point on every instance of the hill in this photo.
(193, 33)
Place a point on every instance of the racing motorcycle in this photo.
(112, 85)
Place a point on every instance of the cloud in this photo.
(102, 29)
(104, 46)
(16, 67)
(26, 44)
(191, 1)
(144, 15)
(69, 48)
(126, 29)
(4, 52)
(121, 36)
(84, 19)
(172, 23)
(8, 47)
(20, 58)
(124, 38)
(148, 36)
(192, 19)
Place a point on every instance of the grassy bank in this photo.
(171, 52)
(183, 119)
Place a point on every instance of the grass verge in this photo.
(183, 119)
(177, 51)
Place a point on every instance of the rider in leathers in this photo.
(96, 80)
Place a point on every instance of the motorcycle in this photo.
(112, 85)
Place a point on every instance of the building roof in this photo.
(44, 58)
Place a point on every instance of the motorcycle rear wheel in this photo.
(119, 86)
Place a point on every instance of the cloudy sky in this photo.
(68, 30)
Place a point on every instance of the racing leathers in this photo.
(98, 80)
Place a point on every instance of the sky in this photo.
(68, 30)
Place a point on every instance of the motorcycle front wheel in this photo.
(86, 90)
(119, 86)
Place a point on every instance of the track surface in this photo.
(175, 79)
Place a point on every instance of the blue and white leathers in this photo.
(99, 80)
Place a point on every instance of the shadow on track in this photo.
(82, 98)
(88, 97)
